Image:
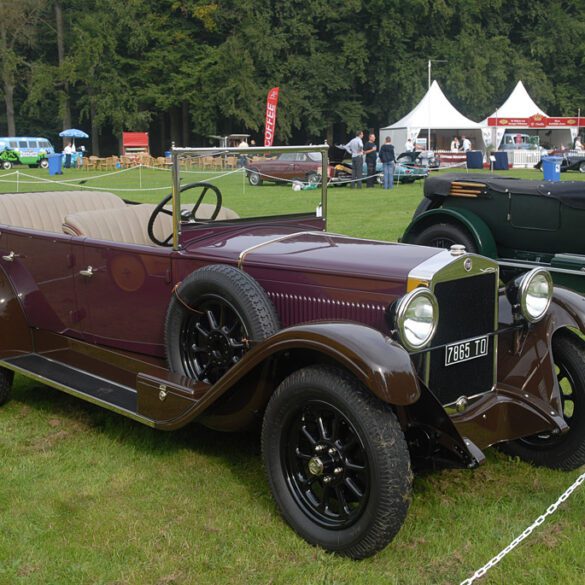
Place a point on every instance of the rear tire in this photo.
(44, 164)
(566, 451)
(445, 235)
(337, 462)
(582, 166)
(313, 178)
(254, 178)
(6, 379)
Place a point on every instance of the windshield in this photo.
(289, 182)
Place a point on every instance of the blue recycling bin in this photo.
(501, 162)
(474, 159)
(551, 167)
(55, 164)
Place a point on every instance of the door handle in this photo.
(10, 257)
(88, 272)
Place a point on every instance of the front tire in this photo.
(337, 462)
(582, 166)
(445, 235)
(6, 165)
(313, 179)
(566, 451)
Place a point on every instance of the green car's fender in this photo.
(477, 228)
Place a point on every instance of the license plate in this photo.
(463, 351)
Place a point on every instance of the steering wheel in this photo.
(186, 216)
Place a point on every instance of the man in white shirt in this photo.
(68, 151)
(356, 148)
(409, 146)
(465, 143)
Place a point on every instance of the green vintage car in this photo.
(521, 223)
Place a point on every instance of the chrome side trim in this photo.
(73, 392)
(255, 247)
(530, 265)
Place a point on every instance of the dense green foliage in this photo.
(184, 69)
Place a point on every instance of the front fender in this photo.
(476, 226)
(382, 365)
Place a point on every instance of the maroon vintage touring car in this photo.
(359, 356)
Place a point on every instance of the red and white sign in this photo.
(271, 103)
(538, 121)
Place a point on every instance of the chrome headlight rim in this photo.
(523, 290)
(400, 314)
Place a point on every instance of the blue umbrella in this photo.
(73, 133)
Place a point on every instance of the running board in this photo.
(104, 393)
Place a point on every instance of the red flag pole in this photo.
(270, 124)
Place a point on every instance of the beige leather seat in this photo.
(130, 224)
(45, 211)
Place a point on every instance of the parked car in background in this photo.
(519, 141)
(24, 150)
(419, 158)
(288, 166)
(521, 223)
(571, 160)
(357, 357)
(403, 173)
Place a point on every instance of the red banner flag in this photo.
(271, 103)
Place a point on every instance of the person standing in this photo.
(68, 151)
(370, 150)
(388, 158)
(243, 159)
(409, 146)
(356, 148)
(466, 143)
(455, 144)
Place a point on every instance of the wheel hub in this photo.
(220, 351)
(316, 466)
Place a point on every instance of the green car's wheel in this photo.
(44, 164)
(445, 235)
(337, 461)
(565, 451)
(6, 165)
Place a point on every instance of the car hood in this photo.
(264, 248)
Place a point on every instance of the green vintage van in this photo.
(24, 150)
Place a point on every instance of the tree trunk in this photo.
(95, 141)
(175, 123)
(64, 102)
(185, 124)
(9, 99)
(164, 145)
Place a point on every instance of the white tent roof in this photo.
(518, 105)
(435, 111)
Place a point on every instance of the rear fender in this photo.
(471, 222)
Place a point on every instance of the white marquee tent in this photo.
(434, 112)
(515, 114)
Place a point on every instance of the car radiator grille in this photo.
(466, 310)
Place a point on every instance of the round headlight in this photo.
(416, 318)
(535, 290)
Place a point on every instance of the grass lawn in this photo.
(88, 497)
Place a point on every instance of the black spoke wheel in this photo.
(326, 465)
(566, 451)
(215, 316)
(192, 215)
(212, 339)
(445, 235)
(337, 462)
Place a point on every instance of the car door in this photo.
(43, 265)
(125, 289)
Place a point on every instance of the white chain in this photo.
(550, 510)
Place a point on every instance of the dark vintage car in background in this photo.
(287, 166)
(570, 160)
(359, 358)
(521, 223)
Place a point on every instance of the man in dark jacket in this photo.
(370, 150)
(388, 161)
